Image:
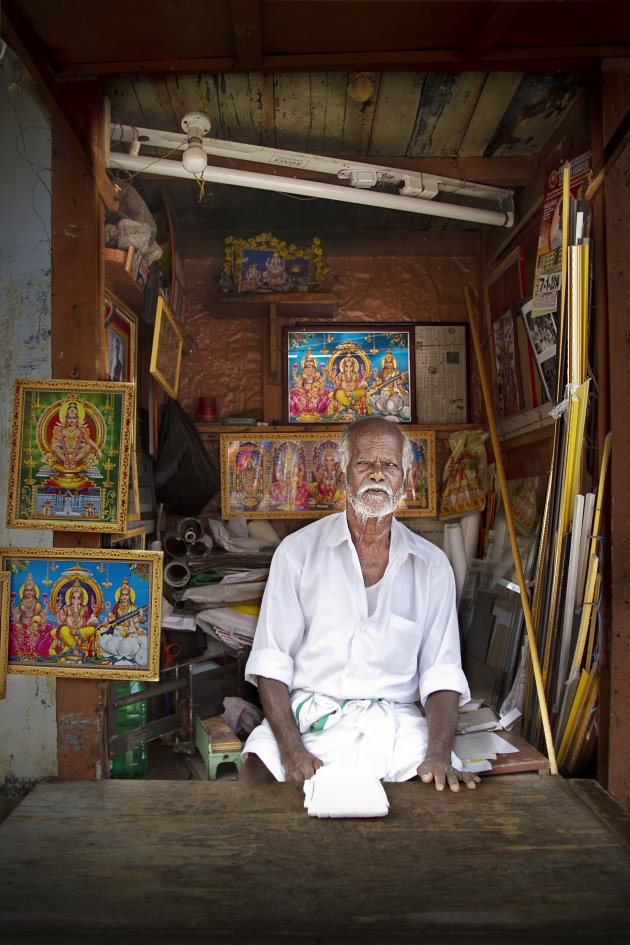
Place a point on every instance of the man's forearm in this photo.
(441, 710)
(276, 705)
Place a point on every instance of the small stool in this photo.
(217, 744)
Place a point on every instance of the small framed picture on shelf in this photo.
(121, 327)
(266, 264)
(297, 475)
(166, 352)
(132, 540)
(84, 612)
(335, 373)
(70, 455)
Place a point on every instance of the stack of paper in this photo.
(344, 791)
(477, 750)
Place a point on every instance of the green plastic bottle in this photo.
(134, 762)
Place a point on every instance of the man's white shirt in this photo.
(314, 632)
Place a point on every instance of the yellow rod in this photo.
(496, 445)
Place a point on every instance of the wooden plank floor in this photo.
(522, 859)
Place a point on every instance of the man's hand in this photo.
(441, 711)
(443, 773)
(300, 765)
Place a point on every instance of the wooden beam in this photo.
(247, 33)
(517, 59)
(21, 39)
(492, 30)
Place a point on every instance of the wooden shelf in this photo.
(210, 428)
(309, 303)
(119, 280)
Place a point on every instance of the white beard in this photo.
(371, 501)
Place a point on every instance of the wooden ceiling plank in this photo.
(447, 102)
(498, 91)
(247, 33)
(263, 114)
(396, 111)
(236, 120)
(538, 106)
(326, 110)
(500, 17)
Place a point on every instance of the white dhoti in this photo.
(389, 739)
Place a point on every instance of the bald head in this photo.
(377, 426)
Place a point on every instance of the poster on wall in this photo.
(84, 612)
(336, 373)
(297, 475)
(70, 449)
(548, 273)
(441, 362)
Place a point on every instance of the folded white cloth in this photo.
(344, 791)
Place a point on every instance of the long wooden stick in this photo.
(496, 445)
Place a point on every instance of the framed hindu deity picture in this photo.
(282, 475)
(333, 374)
(266, 264)
(70, 451)
(121, 327)
(84, 612)
(166, 352)
(5, 598)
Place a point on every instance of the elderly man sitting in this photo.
(358, 624)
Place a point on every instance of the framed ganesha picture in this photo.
(336, 373)
(84, 612)
(70, 452)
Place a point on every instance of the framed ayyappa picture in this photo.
(69, 467)
(121, 329)
(5, 598)
(336, 373)
(283, 475)
(84, 612)
(166, 352)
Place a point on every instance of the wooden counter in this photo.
(521, 859)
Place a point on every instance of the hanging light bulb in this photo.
(195, 159)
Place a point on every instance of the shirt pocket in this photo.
(398, 644)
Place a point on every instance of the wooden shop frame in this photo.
(166, 351)
(61, 479)
(384, 366)
(5, 598)
(296, 475)
(45, 638)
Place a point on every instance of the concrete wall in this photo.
(28, 729)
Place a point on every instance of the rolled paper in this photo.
(471, 524)
(456, 553)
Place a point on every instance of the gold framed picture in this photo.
(70, 450)
(166, 352)
(296, 475)
(84, 612)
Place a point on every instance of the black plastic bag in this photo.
(185, 476)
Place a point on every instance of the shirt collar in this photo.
(400, 544)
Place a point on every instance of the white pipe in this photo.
(300, 161)
(225, 175)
